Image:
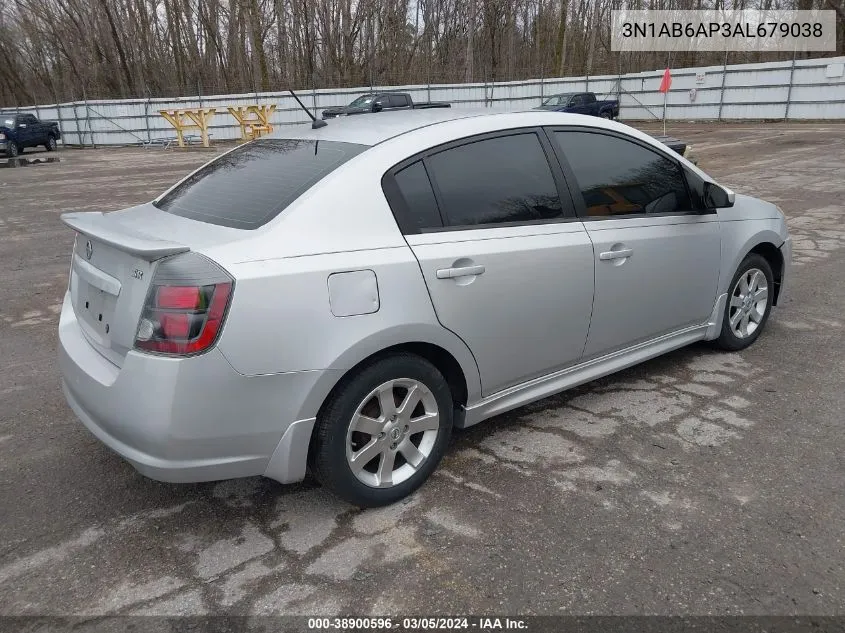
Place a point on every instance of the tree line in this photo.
(61, 50)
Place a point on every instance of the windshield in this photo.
(558, 100)
(252, 184)
(362, 101)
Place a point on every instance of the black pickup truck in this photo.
(18, 131)
(381, 101)
(582, 103)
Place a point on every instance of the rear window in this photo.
(252, 184)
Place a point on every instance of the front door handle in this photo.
(620, 254)
(463, 271)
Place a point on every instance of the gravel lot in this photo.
(697, 483)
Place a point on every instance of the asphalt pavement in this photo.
(697, 483)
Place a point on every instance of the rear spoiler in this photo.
(107, 229)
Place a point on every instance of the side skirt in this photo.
(545, 386)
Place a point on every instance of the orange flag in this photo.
(667, 81)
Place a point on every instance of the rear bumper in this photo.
(191, 419)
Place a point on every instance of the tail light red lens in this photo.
(184, 330)
(186, 306)
(179, 297)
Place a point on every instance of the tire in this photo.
(744, 319)
(606, 115)
(51, 143)
(12, 149)
(353, 420)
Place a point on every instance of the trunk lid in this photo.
(113, 264)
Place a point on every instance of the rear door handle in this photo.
(621, 253)
(463, 271)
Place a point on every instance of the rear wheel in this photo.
(12, 149)
(606, 114)
(749, 304)
(51, 143)
(383, 432)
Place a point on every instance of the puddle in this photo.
(24, 161)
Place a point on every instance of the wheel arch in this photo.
(439, 346)
(773, 255)
(763, 242)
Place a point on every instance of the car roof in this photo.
(372, 129)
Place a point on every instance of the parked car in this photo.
(25, 130)
(582, 103)
(341, 298)
(379, 102)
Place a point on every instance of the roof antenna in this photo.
(315, 122)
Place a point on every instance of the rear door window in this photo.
(252, 184)
(497, 180)
(399, 101)
(421, 206)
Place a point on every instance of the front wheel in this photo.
(749, 304)
(51, 144)
(383, 431)
(606, 115)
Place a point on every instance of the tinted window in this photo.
(252, 184)
(589, 98)
(362, 101)
(504, 179)
(577, 100)
(398, 101)
(619, 177)
(416, 189)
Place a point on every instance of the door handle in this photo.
(621, 253)
(463, 271)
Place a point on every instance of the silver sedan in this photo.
(339, 299)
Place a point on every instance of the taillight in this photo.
(186, 306)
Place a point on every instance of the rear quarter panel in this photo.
(281, 318)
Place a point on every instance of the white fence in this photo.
(792, 90)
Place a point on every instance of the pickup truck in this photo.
(381, 101)
(18, 131)
(582, 103)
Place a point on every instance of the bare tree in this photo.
(54, 50)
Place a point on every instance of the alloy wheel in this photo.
(748, 303)
(392, 433)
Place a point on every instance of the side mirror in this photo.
(377, 107)
(716, 197)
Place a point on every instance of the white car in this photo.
(342, 297)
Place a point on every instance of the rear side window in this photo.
(421, 205)
(496, 180)
(399, 101)
(619, 177)
(252, 184)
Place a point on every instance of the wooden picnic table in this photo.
(253, 119)
(189, 119)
